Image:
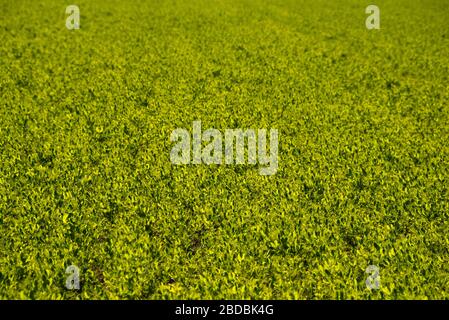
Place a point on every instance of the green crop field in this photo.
(86, 179)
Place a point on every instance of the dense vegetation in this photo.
(86, 178)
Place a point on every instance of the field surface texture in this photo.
(86, 178)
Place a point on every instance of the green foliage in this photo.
(85, 175)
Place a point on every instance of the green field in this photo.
(86, 178)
